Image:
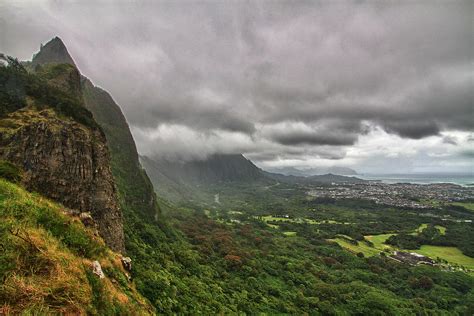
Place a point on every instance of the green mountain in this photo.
(57, 258)
(49, 134)
(197, 181)
(134, 187)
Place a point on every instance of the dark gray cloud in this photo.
(415, 129)
(285, 79)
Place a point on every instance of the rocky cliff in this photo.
(61, 149)
(53, 52)
(134, 187)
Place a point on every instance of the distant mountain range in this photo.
(178, 180)
(291, 171)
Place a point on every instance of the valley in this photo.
(370, 245)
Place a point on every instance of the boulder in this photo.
(126, 263)
(86, 219)
(97, 269)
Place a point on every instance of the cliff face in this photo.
(61, 149)
(66, 162)
(134, 186)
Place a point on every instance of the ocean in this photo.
(422, 178)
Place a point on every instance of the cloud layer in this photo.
(302, 83)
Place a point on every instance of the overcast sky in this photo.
(374, 85)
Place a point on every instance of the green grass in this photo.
(420, 229)
(379, 241)
(271, 218)
(441, 229)
(360, 247)
(9, 171)
(289, 234)
(467, 205)
(45, 261)
(450, 254)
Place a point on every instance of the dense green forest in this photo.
(247, 266)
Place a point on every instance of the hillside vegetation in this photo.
(46, 262)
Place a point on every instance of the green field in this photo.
(450, 254)
(271, 218)
(289, 234)
(360, 247)
(467, 205)
(419, 229)
(441, 229)
(378, 241)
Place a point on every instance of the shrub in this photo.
(10, 172)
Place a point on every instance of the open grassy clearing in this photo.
(467, 205)
(451, 254)
(419, 229)
(379, 240)
(441, 229)
(271, 218)
(360, 247)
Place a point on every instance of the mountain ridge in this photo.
(292, 171)
(63, 151)
(135, 189)
(53, 51)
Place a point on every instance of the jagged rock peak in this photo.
(53, 51)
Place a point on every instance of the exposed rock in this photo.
(53, 52)
(86, 219)
(97, 269)
(66, 162)
(127, 263)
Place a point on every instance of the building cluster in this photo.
(412, 258)
(401, 194)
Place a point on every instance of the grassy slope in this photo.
(379, 241)
(360, 247)
(467, 205)
(45, 262)
(450, 254)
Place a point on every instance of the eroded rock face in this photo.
(66, 162)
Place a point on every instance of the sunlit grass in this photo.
(379, 241)
(360, 247)
(467, 205)
(451, 254)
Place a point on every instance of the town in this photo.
(406, 195)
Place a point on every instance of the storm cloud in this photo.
(301, 82)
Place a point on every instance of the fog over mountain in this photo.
(362, 84)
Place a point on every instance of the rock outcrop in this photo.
(53, 52)
(55, 140)
(66, 162)
(134, 187)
